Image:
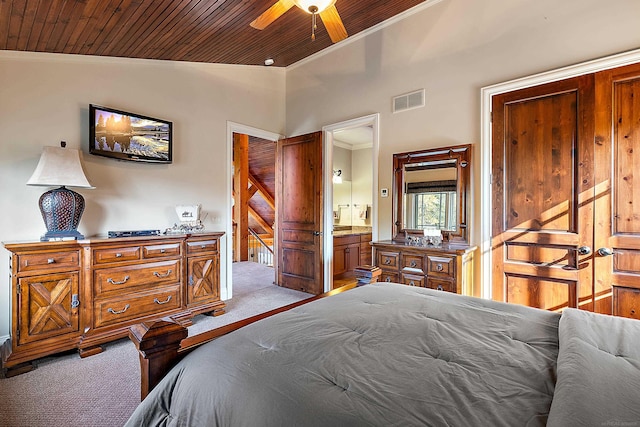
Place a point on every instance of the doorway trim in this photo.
(372, 120)
(600, 64)
(226, 288)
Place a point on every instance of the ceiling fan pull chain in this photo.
(313, 26)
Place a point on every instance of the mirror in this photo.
(352, 178)
(431, 189)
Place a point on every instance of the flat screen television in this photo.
(129, 136)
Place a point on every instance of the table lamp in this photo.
(61, 208)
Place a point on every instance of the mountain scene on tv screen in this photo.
(137, 136)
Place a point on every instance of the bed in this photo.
(394, 355)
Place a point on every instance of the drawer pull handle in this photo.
(162, 302)
(162, 276)
(118, 255)
(387, 261)
(51, 261)
(203, 246)
(191, 281)
(413, 264)
(388, 279)
(163, 250)
(633, 311)
(439, 267)
(112, 311)
(113, 282)
(411, 283)
(440, 288)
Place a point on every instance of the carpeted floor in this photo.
(103, 390)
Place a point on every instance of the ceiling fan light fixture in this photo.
(314, 6)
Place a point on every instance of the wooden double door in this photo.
(566, 191)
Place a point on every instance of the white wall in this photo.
(452, 49)
(362, 174)
(44, 98)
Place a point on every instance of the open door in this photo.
(299, 213)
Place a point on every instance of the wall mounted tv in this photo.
(129, 136)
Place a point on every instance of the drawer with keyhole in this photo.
(441, 266)
(413, 262)
(387, 260)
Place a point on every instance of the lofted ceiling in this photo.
(214, 31)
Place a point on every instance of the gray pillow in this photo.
(598, 371)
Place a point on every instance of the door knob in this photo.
(605, 251)
(584, 250)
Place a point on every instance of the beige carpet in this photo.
(103, 390)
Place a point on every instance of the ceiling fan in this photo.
(325, 8)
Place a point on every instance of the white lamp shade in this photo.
(320, 4)
(59, 167)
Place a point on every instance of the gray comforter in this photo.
(384, 354)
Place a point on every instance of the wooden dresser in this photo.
(446, 268)
(81, 294)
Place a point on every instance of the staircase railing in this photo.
(259, 251)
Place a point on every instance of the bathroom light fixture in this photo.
(337, 176)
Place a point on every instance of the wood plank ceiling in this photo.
(214, 31)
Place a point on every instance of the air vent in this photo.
(408, 101)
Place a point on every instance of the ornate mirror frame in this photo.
(462, 156)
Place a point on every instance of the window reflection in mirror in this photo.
(430, 196)
(431, 191)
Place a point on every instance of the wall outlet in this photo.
(384, 192)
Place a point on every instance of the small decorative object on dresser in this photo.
(83, 293)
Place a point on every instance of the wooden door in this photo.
(543, 195)
(299, 213)
(617, 225)
(203, 280)
(48, 307)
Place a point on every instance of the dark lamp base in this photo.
(61, 210)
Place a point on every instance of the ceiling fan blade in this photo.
(271, 14)
(333, 24)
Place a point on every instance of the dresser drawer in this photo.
(126, 279)
(413, 262)
(441, 285)
(109, 255)
(48, 260)
(198, 246)
(387, 260)
(387, 276)
(413, 280)
(441, 266)
(118, 310)
(156, 251)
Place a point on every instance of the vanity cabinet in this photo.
(81, 294)
(350, 251)
(446, 268)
